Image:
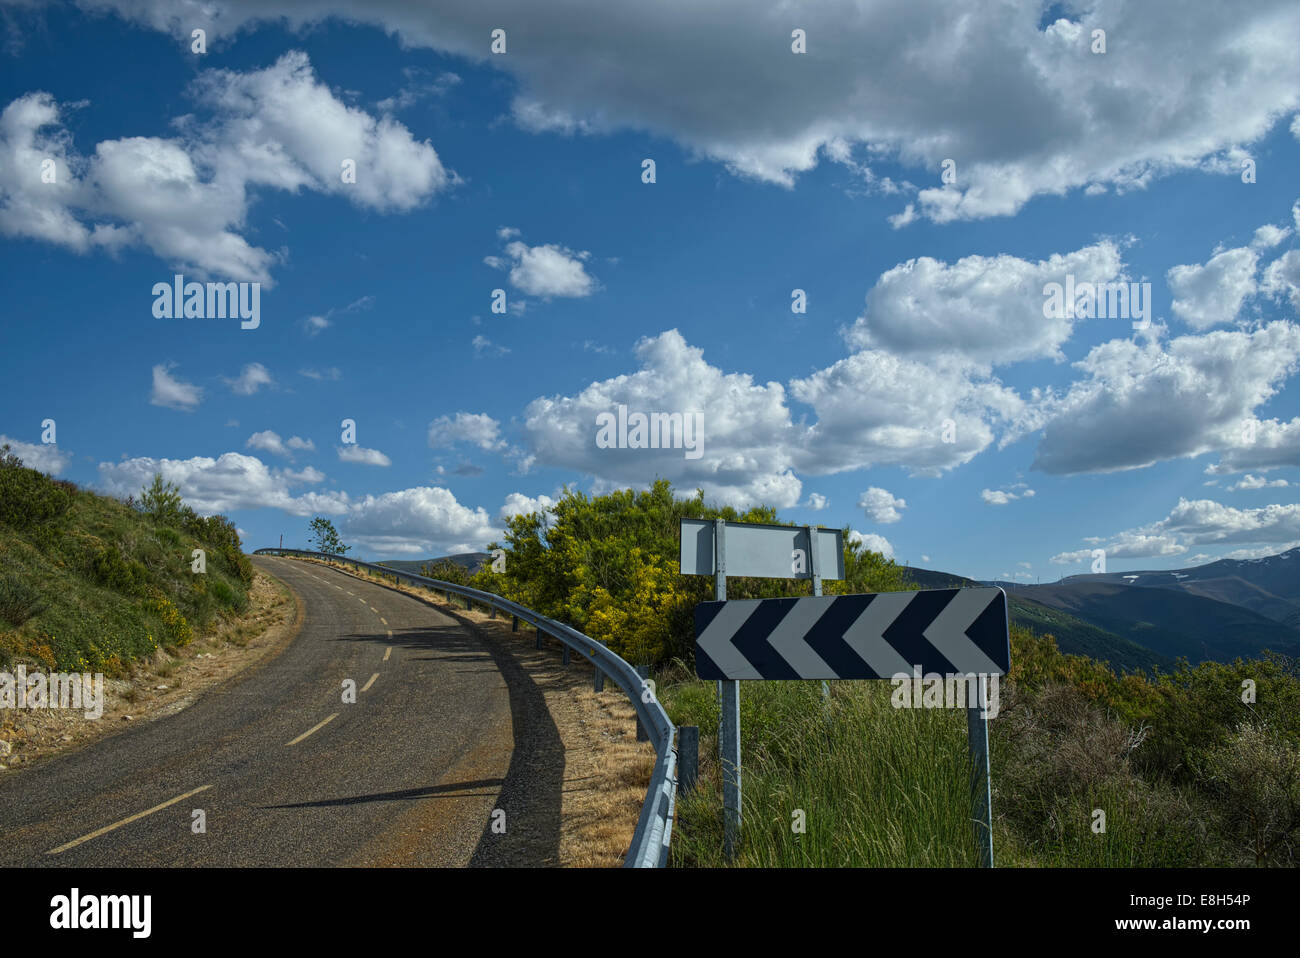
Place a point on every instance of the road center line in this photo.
(314, 728)
(126, 821)
(383, 620)
(388, 651)
(366, 687)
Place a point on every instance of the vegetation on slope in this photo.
(90, 583)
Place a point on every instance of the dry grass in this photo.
(606, 770)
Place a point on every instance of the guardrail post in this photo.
(539, 638)
(566, 656)
(492, 612)
(641, 734)
(688, 756)
(598, 680)
(514, 623)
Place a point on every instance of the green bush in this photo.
(1255, 774)
(608, 566)
(110, 568)
(444, 570)
(28, 497)
(18, 600)
(228, 597)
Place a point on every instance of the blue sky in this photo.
(774, 171)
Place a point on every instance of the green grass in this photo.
(877, 786)
(88, 582)
(1184, 772)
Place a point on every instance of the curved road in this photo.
(445, 731)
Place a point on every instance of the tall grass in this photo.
(1088, 770)
(877, 786)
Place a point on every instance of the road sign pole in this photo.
(729, 732)
(981, 784)
(815, 569)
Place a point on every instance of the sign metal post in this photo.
(954, 634)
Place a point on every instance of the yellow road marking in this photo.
(383, 620)
(126, 821)
(314, 728)
(388, 651)
(366, 687)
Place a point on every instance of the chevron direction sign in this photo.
(873, 636)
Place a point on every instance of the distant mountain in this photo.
(1072, 634)
(471, 561)
(1170, 621)
(1077, 637)
(928, 579)
(1269, 586)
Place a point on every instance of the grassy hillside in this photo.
(91, 583)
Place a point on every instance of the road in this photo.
(288, 774)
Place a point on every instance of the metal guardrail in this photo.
(649, 848)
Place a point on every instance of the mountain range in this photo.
(1145, 619)
(471, 561)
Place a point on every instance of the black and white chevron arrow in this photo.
(876, 636)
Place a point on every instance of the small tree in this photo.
(444, 570)
(162, 500)
(326, 537)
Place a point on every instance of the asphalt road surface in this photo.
(447, 738)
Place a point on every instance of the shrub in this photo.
(110, 568)
(28, 497)
(444, 570)
(18, 601)
(178, 630)
(1256, 777)
(228, 596)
